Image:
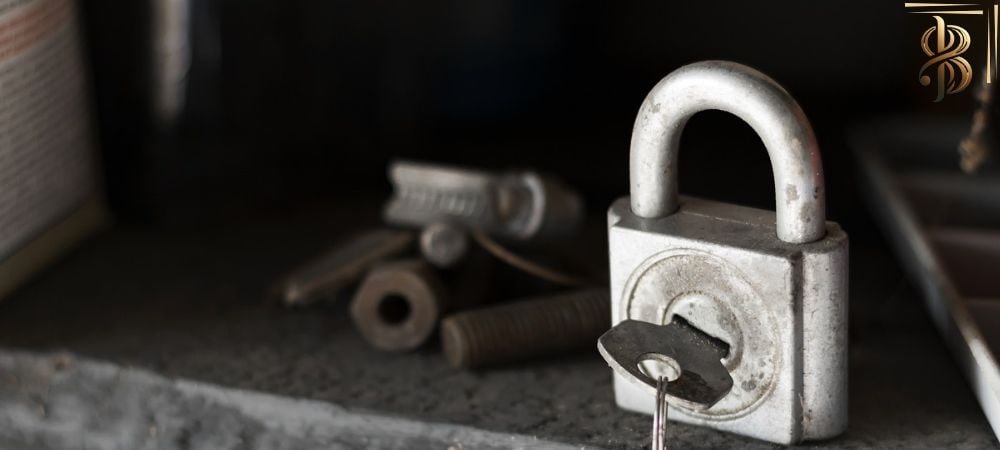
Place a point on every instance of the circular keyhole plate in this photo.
(716, 298)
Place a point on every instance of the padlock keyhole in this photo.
(657, 365)
(712, 318)
(720, 343)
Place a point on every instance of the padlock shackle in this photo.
(800, 198)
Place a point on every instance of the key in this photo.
(698, 379)
(660, 415)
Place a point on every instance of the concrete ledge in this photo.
(60, 401)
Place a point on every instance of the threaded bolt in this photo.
(526, 329)
(523, 206)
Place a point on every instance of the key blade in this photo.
(703, 380)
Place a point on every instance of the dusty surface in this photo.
(60, 401)
(188, 304)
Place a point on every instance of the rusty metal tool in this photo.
(343, 265)
(525, 329)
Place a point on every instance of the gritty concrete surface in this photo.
(59, 401)
(187, 304)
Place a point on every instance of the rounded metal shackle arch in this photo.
(800, 199)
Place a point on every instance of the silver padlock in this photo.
(773, 286)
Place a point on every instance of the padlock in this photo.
(771, 285)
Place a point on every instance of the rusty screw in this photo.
(526, 329)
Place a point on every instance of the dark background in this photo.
(295, 102)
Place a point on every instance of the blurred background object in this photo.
(976, 148)
(342, 266)
(50, 184)
(444, 244)
(519, 205)
(526, 329)
(944, 225)
(398, 305)
(291, 102)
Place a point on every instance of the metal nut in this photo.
(398, 305)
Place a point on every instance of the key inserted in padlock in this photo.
(699, 378)
(771, 284)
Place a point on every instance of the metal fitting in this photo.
(517, 205)
(342, 265)
(526, 329)
(444, 245)
(398, 305)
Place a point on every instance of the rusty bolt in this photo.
(526, 329)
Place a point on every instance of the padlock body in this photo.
(781, 307)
